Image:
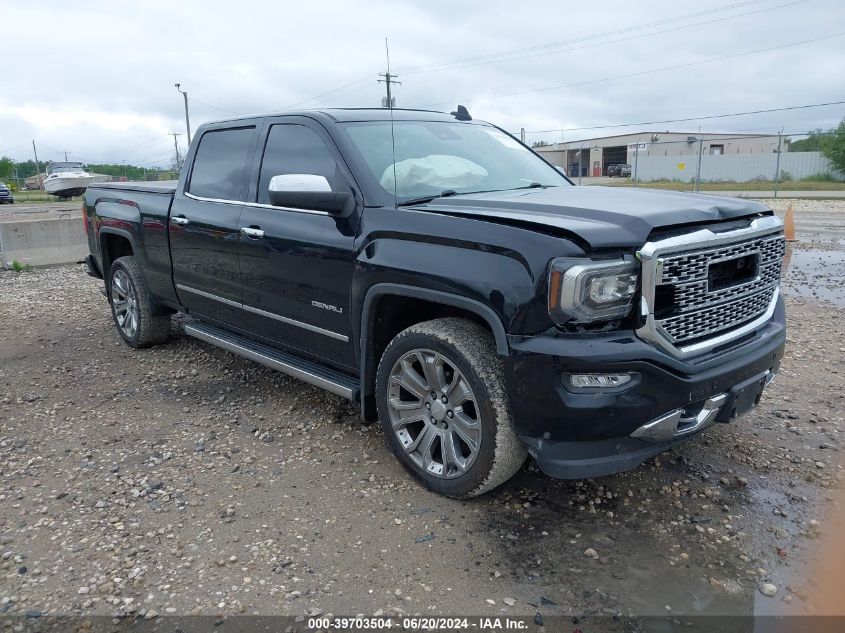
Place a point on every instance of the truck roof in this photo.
(357, 114)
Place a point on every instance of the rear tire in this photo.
(131, 308)
(461, 442)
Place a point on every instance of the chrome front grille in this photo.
(695, 324)
(683, 312)
(685, 267)
(692, 295)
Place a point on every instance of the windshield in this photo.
(63, 167)
(436, 156)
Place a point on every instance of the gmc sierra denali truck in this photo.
(460, 288)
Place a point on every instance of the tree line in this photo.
(25, 169)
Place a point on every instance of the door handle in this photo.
(181, 220)
(252, 231)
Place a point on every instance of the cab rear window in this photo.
(220, 163)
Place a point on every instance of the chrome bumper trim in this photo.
(672, 425)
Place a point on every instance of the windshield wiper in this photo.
(425, 199)
(451, 192)
(533, 185)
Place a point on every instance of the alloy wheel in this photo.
(434, 413)
(125, 303)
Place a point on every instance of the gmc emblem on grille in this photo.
(732, 272)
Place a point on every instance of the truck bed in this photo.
(158, 186)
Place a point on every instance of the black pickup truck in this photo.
(460, 288)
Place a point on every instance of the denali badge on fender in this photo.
(327, 306)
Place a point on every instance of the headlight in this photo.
(587, 291)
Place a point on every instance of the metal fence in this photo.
(735, 167)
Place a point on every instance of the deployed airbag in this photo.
(436, 172)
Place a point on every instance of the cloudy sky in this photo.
(95, 78)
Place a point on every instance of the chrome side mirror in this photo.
(309, 192)
(299, 182)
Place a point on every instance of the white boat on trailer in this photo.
(66, 180)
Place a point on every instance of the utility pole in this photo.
(522, 135)
(580, 153)
(187, 118)
(698, 171)
(389, 79)
(777, 163)
(636, 160)
(176, 145)
(37, 167)
(388, 101)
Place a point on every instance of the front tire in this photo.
(442, 403)
(131, 308)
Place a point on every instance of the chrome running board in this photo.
(307, 371)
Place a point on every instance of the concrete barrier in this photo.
(43, 241)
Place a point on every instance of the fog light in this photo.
(599, 381)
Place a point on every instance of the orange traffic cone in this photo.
(789, 225)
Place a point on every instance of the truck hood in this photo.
(601, 216)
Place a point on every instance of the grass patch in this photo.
(20, 268)
(40, 197)
(754, 185)
(825, 177)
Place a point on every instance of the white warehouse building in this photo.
(595, 154)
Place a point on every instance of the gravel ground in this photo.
(185, 480)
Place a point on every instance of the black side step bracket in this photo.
(308, 371)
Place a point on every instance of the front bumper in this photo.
(575, 434)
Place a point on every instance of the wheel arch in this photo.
(439, 303)
(115, 243)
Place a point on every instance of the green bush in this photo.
(833, 146)
(824, 177)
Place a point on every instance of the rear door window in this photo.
(219, 164)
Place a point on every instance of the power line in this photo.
(623, 39)
(151, 160)
(709, 138)
(706, 137)
(544, 48)
(156, 161)
(158, 137)
(351, 92)
(12, 149)
(369, 77)
(643, 72)
(194, 99)
(129, 148)
(686, 119)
